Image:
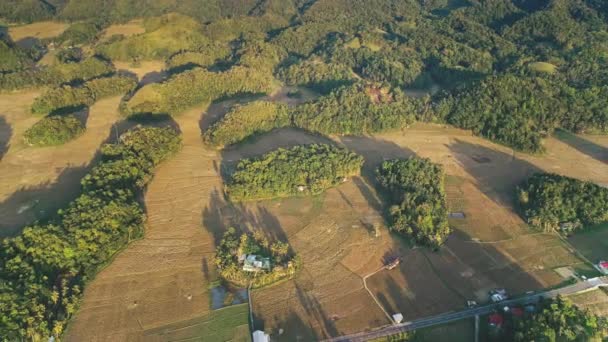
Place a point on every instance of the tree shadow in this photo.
(585, 146)
(6, 132)
(221, 107)
(152, 77)
(497, 174)
(279, 138)
(41, 202)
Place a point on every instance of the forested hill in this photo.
(509, 70)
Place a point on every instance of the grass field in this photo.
(161, 283)
(35, 182)
(230, 324)
(593, 243)
(39, 30)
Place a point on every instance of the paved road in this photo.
(482, 310)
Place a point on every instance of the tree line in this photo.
(553, 202)
(44, 270)
(301, 170)
(416, 198)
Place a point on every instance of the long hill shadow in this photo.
(585, 146)
(6, 132)
(41, 202)
(496, 173)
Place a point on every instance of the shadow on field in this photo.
(41, 202)
(585, 146)
(496, 173)
(6, 132)
(279, 138)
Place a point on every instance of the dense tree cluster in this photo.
(245, 121)
(55, 74)
(414, 189)
(554, 202)
(283, 263)
(358, 109)
(164, 37)
(54, 130)
(205, 56)
(304, 169)
(43, 270)
(91, 91)
(197, 86)
(316, 74)
(560, 320)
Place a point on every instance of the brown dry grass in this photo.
(39, 30)
(128, 29)
(35, 182)
(595, 301)
(148, 285)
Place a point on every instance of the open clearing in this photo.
(158, 288)
(595, 301)
(128, 29)
(40, 30)
(35, 181)
(593, 244)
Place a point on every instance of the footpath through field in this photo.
(582, 286)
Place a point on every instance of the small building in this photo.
(391, 264)
(256, 263)
(496, 320)
(260, 336)
(498, 295)
(398, 318)
(602, 266)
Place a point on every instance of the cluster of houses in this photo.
(497, 319)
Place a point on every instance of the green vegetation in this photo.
(553, 202)
(13, 58)
(318, 75)
(203, 57)
(85, 95)
(357, 109)
(560, 320)
(164, 37)
(197, 86)
(306, 169)
(278, 262)
(54, 130)
(56, 74)
(43, 271)
(79, 33)
(414, 188)
(245, 121)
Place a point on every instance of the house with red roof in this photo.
(496, 320)
(602, 266)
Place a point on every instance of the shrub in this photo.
(204, 57)
(307, 169)
(552, 202)
(415, 192)
(245, 121)
(54, 130)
